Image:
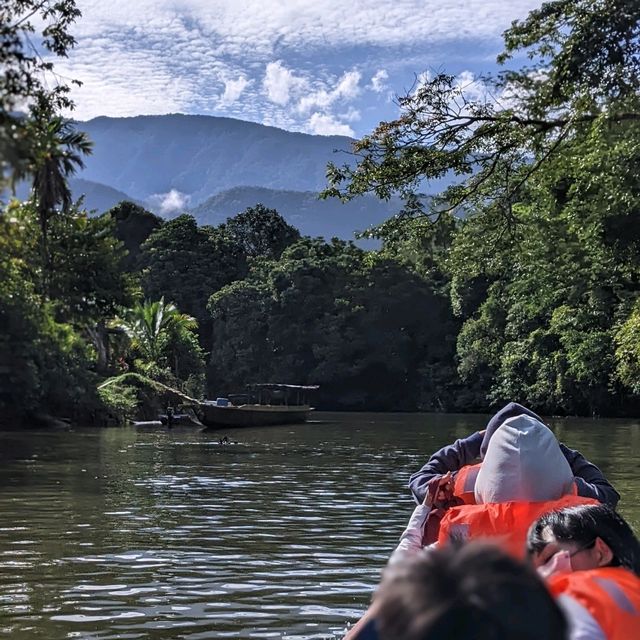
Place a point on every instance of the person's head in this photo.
(471, 592)
(510, 410)
(523, 462)
(591, 536)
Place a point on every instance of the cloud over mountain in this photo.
(294, 64)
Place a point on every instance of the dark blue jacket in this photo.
(590, 481)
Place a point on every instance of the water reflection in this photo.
(126, 533)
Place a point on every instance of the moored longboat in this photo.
(265, 404)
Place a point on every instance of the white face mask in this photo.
(558, 563)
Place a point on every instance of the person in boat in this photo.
(474, 592)
(463, 460)
(524, 475)
(170, 416)
(591, 560)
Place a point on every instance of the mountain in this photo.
(303, 210)
(97, 197)
(200, 156)
(172, 162)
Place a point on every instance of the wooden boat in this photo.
(264, 404)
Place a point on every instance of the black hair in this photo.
(473, 592)
(582, 525)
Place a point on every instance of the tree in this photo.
(148, 324)
(56, 155)
(555, 292)
(163, 338)
(46, 367)
(627, 341)
(542, 263)
(133, 224)
(360, 325)
(187, 263)
(260, 232)
(36, 142)
(240, 351)
(53, 299)
(88, 280)
(583, 75)
(27, 80)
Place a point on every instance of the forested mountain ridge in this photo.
(305, 210)
(302, 209)
(96, 197)
(200, 156)
(217, 167)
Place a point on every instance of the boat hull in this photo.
(252, 415)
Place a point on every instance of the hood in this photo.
(510, 410)
(523, 463)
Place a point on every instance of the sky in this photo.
(317, 66)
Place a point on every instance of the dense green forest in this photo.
(519, 282)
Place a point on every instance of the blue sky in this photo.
(317, 66)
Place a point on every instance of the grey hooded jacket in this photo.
(589, 480)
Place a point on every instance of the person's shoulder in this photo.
(582, 625)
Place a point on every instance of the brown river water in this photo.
(148, 533)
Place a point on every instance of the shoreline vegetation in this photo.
(132, 397)
(521, 281)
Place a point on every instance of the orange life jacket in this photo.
(464, 483)
(507, 523)
(610, 594)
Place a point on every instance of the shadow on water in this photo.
(157, 533)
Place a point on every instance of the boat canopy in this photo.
(276, 393)
(273, 385)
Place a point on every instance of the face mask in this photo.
(558, 563)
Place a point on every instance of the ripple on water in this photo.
(168, 535)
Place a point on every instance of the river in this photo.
(149, 533)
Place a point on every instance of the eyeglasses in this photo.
(580, 549)
(584, 547)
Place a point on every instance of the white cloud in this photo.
(471, 85)
(257, 24)
(279, 82)
(474, 88)
(324, 124)
(172, 202)
(122, 77)
(348, 88)
(379, 80)
(279, 62)
(349, 85)
(351, 115)
(422, 79)
(233, 90)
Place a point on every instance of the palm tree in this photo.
(56, 155)
(151, 325)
